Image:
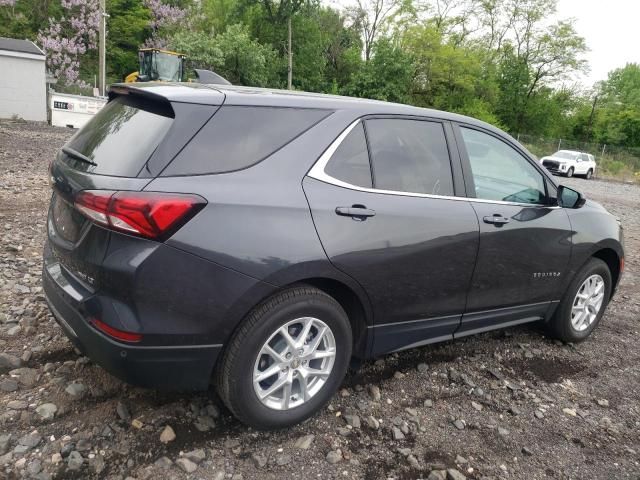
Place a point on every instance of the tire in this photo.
(570, 172)
(243, 358)
(589, 174)
(561, 325)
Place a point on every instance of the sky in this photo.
(610, 28)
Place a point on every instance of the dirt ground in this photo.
(509, 404)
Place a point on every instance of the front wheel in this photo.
(584, 303)
(589, 174)
(287, 359)
(570, 172)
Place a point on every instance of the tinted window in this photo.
(409, 156)
(500, 172)
(238, 137)
(121, 137)
(350, 161)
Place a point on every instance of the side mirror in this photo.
(570, 198)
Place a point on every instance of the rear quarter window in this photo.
(238, 137)
(121, 137)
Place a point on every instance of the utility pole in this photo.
(102, 34)
(290, 69)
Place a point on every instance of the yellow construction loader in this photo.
(158, 65)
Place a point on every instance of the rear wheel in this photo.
(584, 303)
(287, 359)
(589, 174)
(570, 172)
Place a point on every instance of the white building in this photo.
(23, 88)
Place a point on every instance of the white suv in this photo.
(570, 163)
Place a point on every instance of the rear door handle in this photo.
(357, 212)
(496, 219)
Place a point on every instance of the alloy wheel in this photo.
(587, 303)
(294, 363)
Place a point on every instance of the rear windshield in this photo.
(120, 138)
(237, 137)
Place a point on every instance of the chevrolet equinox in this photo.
(261, 239)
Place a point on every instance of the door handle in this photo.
(496, 219)
(357, 212)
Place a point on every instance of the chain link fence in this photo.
(613, 162)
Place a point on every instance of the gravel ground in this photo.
(510, 404)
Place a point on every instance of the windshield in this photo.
(168, 67)
(565, 154)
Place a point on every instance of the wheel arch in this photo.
(357, 310)
(613, 261)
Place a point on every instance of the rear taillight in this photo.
(147, 214)
(116, 333)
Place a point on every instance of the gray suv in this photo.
(262, 239)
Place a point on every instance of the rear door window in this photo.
(350, 162)
(409, 156)
(238, 137)
(120, 138)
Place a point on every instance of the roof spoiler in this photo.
(209, 77)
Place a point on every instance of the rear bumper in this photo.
(172, 367)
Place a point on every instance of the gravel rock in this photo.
(304, 443)
(167, 435)
(4, 443)
(437, 475)
(75, 461)
(459, 424)
(75, 389)
(260, 461)
(25, 376)
(334, 456)
(397, 433)
(163, 462)
(9, 362)
(196, 456)
(186, 465)
(372, 422)
(374, 393)
(283, 460)
(30, 440)
(422, 367)
(123, 412)
(353, 420)
(17, 405)
(8, 385)
(453, 474)
(204, 423)
(47, 411)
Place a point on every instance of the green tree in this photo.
(127, 27)
(232, 54)
(386, 76)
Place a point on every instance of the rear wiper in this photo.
(78, 156)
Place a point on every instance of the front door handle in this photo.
(357, 212)
(496, 219)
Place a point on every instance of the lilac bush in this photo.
(163, 18)
(66, 39)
